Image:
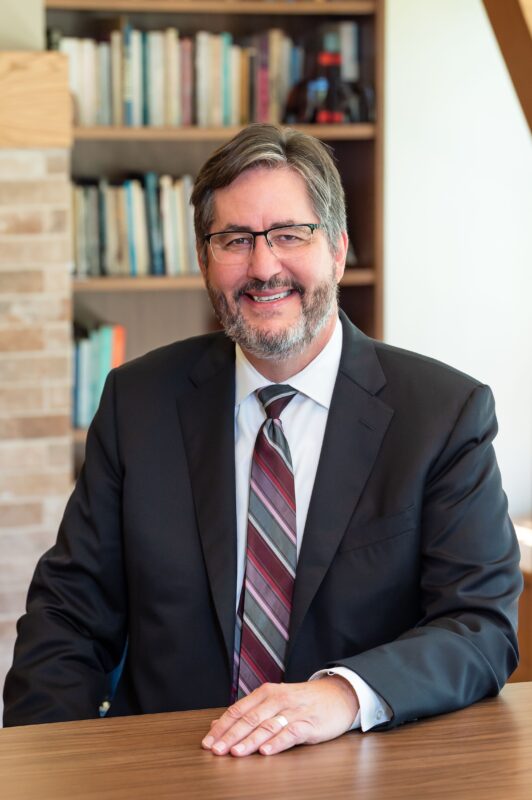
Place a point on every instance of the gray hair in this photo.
(263, 145)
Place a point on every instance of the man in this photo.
(218, 471)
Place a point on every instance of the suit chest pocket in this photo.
(363, 533)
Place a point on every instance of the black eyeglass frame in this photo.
(314, 226)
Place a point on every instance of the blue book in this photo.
(145, 43)
(127, 75)
(83, 395)
(153, 216)
(75, 385)
(226, 42)
(130, 225)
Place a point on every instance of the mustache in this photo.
(263, 286)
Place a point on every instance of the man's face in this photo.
(273, 306)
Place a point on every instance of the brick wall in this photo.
(35, 369)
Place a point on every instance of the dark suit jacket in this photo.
(408, 572)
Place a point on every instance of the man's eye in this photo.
(237, 242)
(287, 238)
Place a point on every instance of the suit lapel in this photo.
(356, 425)
(207, 420)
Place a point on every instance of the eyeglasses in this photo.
(285, 241)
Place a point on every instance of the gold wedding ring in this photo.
(283, 722)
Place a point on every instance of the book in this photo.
(117, 102)
(105, 102)
(156, 78)
(153, 217)
(186, 52)
(98, 348)
(172, 78)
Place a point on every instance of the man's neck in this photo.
(280, 370)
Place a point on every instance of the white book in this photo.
(203, 71)
(172, 78)
(136, 77)
(112, 244)
(181, 226)
(140, 229)
(116, 79)
(349, 50)
(105, 84)
(89, 83)
(71, 47)
(235, 66)
(156, 90)
(167, 204)
(192, 260)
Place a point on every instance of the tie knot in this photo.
(275, 398)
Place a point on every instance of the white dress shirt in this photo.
(307, 411)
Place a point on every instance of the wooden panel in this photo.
(349, 132)
(223, 6)
(484, 751)
(35, 110)
(513, 35)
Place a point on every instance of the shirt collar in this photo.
(316, 380)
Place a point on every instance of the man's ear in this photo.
(341, 255)
(199, 253)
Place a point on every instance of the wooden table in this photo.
(481, 752)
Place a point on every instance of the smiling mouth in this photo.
(271, 297)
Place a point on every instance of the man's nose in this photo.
(263, 263)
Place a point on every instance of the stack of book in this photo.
(141, 227)
(158, 78)
(95, 353)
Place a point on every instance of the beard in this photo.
(317, 305)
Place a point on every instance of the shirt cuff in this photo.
(373, 710)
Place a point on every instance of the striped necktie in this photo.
(266, 600)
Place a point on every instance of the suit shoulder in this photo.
(172, 360)
(408, 365)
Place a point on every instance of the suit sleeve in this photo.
(74, 629)
(464, 646)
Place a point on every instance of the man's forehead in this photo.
(280, 193)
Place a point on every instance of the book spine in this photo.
(127, 73)
(146, 95)
(187, 81)
(104, 67)
(136, 74)
(118, 355)
(116, 78)
(154, 224)
(172, 78)
(130, 227)
(226, 41)
(102, 225)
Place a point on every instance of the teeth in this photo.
(270, 297)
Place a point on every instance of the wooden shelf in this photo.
(164, 283)
(307, 7)
(348, 132)
(144, 283)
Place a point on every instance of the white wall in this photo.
(458, 212)
(21, 25)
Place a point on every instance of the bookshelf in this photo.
(156, 310)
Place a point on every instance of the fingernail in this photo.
(238, 748)
(266, 749)
(208, 741)
(220, 747)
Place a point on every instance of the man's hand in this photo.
(276, 717)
